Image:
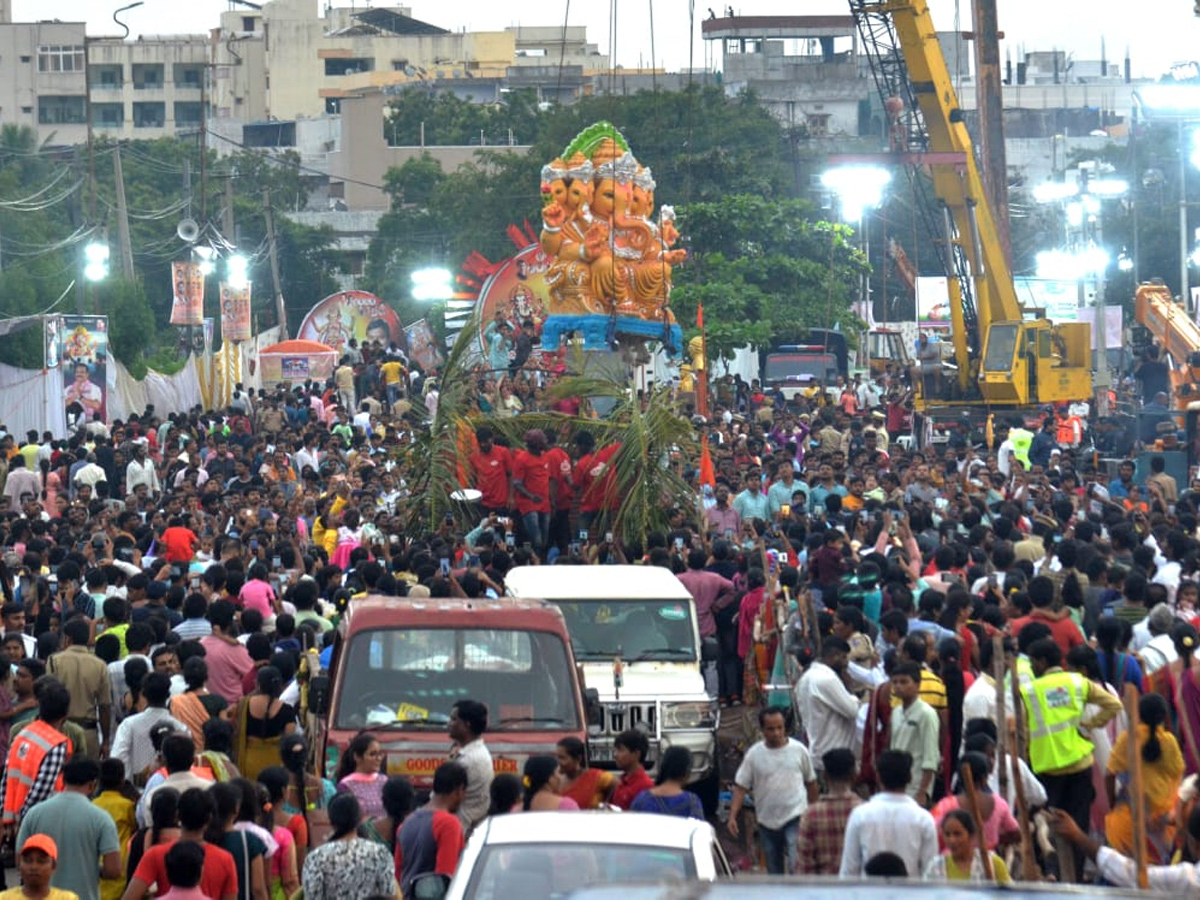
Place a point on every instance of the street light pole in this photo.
(1184, 294)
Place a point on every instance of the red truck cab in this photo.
(400, 665)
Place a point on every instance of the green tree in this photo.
(764, 270)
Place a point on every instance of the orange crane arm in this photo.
(1178, 334)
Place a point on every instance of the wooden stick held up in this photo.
(1137, 802)
(1029, 870)
(1001, 713)
(968, 780)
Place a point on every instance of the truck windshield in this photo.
(409, 678)
(1001, 348)
(632, 629)
(790, 366)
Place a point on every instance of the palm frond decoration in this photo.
(435, 458)
(655, 441)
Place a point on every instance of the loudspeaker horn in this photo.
(188, 231)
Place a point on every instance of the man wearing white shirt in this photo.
(828, 711)
(141, 470)
(778, 771)
(890, 821)
(1158, 649)
(1181, 879)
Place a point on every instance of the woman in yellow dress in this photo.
(1162, 773)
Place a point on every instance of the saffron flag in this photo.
(700, 315)
(708, 475)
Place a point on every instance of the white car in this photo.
(550, 854)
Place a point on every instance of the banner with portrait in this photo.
(235, 313)
(422, 347)
(84, 360)
(187, 303)
(351, 314)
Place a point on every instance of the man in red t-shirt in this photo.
(560, 475)
(491, 466)
(219, 881)
(531, 488)
(595, 479)
(179, 542)
(629, 752)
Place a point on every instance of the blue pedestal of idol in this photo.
(598, 332)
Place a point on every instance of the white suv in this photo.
(643, 617)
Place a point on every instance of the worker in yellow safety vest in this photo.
(1059, 754)
(1022, 439)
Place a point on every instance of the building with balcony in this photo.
(145, 88)
(289, 60)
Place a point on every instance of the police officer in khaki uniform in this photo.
(86, 677)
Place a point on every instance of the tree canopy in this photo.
(765, 264)
(45, 221)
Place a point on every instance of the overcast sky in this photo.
(1157, 32)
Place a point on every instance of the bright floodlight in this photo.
(1125, 262)
(236, 271)
(1057, 265)
(432, 284)
(857, 187)
(206, 255)
(95, 256)
(1062, 265)
(1054, 191)
(1108, 187)
(1169, 99)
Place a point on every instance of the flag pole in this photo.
(702, 369)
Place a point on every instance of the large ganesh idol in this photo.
(610, 275)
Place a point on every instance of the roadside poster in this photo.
(235, 313)
(351, 314)
(933, 301)
(294, 368)
(84, 357)
(422, 348)
(187, 303)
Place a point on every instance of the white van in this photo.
(644, 617)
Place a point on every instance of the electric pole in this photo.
(123, 219)
(279, 304)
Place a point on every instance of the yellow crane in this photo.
(1003, 358)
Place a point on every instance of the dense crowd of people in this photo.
(170, 581)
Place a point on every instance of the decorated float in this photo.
(600, 267)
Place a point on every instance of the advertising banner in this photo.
(933, 302)
(235, 313)
(422, 347)
(84, 357)
(187, 304)
(351, 314)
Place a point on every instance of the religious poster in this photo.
(235, 313)
(84, 358)
(422, 348)
(187, 304)
(351, 314)
(515, 291)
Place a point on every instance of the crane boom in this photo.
(1008, 360)
(1179, 336)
